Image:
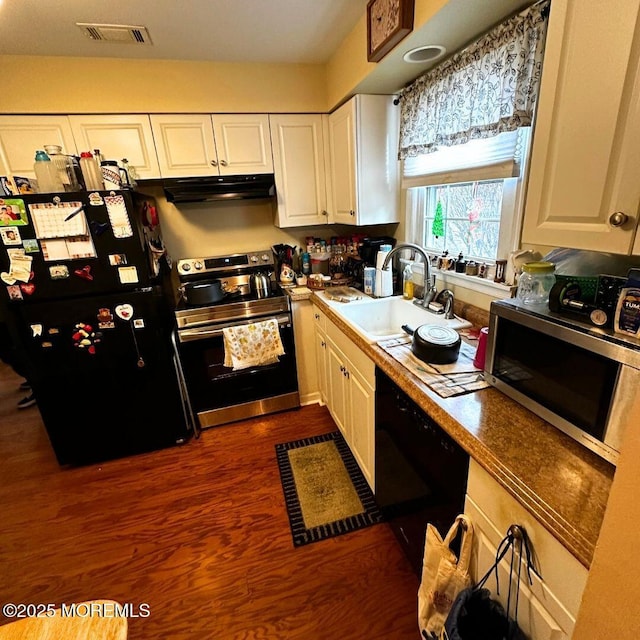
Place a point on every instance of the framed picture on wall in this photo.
(388, 22)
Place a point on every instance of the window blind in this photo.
(480, 159)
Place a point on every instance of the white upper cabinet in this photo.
(298, 143)
(364, 170)
(586, 146)
(203, 145)
(117, 137)
(22, 136)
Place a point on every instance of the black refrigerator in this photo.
(85, 283)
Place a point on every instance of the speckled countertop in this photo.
(561, 483)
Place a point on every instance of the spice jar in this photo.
(536, 282)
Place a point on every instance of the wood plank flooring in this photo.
(198, 532)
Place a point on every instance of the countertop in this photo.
(563, 484)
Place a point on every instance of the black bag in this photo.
(475, 615)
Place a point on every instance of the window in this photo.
(464, 140)
(464, 218)
(468, 199)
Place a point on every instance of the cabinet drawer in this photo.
(354, 354)
(319, 319)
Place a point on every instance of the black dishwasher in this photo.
(421, 472)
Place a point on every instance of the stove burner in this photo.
(234, 272)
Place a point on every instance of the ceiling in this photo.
(271, 31)
(300, 31)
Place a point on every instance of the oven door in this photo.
(219, 394)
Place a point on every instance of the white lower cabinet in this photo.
(547, 609)
(302, 312)
(322, 353)
(346, 378)
(352, 398)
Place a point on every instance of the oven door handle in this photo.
(202, 333)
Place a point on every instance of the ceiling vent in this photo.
(118, 33)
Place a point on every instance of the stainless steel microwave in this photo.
(579, 378)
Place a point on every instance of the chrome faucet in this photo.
(429, 281)
(447, 296)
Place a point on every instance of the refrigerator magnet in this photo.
(58, 271)
(10, 236)
(30, 245)
(36, 330)
(116, 259)
(13, 212)
(128, 275)
(14, 292)
(7, 278)
(124, 311)
(84, 273)
(95, 199)
(138, 323)
(98, 228)
(105, 319)
(27, 288)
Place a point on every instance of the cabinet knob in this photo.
(317, 316)
(323, 344)
(346, 373)
(223, 163)
(214, 163)
(618, 218)
(324, 213)
(352, 212)
(342, 368)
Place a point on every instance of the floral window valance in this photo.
(488, 88)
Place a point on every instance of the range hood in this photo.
(219, 188)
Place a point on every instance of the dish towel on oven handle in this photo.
(252, 345)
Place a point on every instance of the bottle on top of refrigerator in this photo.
(46, 174)
(64, 165)
(90, 172)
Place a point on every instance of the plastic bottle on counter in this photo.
(90, 172)
(407, 283)
(46, 174)
(306, 264)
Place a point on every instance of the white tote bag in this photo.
(444, 575)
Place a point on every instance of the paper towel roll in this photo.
(384, 283)
(380, 256)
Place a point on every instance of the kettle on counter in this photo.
(260, 284)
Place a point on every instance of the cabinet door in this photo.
(299, 167)
(342, 149)
(336, 375)
(547, 608)
(321, 364)
(22, 136)
(305, 343)
(185, 145)
(361, 403)
(243, 144)
(118, 137)
(586, 146)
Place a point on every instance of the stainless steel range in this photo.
(248, 293)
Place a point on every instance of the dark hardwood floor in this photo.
(198, 532)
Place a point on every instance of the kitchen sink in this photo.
(376, 319)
